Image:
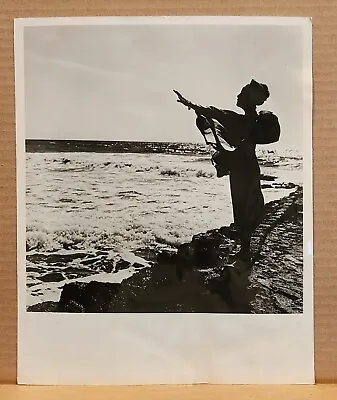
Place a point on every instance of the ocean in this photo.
(122, 197)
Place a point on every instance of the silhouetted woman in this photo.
(241, 133)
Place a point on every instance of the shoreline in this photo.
(198, 277)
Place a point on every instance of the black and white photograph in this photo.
(164, 166)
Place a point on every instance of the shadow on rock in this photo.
(232, 284)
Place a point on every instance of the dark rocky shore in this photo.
(203, 275)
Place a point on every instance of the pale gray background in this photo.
(115, 82)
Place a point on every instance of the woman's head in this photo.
(252, 95)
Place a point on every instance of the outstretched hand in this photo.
(182, 100)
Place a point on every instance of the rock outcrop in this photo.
(203, 275)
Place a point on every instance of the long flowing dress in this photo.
(245, 132)
(246, 193)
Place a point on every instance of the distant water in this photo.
(163, 193)
(53, 146)
(96, 146)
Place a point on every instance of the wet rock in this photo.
(53, 258)
(166, 256)
(137, 265)
(76, 272)
(47, 306)
(92, 297)
(72, 307)
(147, 254)
(52, 277)
(33, 269)
(205, 250)
(122, 264)
(31, 284)
(267, 177)
(108, 266)
(281, 258)
(283, 303)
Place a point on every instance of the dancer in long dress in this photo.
(235, 139)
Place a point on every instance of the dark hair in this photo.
(261, 92)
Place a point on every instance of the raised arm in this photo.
(208, 112)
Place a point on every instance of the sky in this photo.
(115, 82)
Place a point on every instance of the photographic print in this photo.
(165, 165)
